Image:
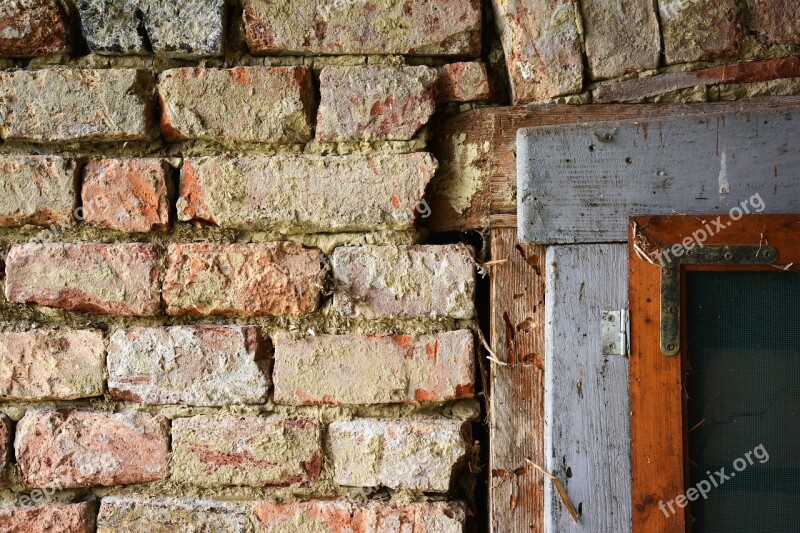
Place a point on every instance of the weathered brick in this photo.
(38, 190)
(34, 28)
(69, 448)
(783, 87)
(186, 29)
(444, 27)
(292, 194)
(775, 21)
(638, 89)
(171, 515)
(463, 82)
(193, 365)
(351, 369)
(269, 279)
(273, 104)
(342, 516)
(51, 364)
(543, 52)
(374, 103)
(119, 279)
(128, 195)
(6, 444)
(407, 454)
(404, 281)
(699, 29)
(51, 517)
(229, 450)
(620, 37)
(61, 104)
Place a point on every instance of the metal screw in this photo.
(611, 318)
(612, 346)
(728, 256)
(768, 254)
(671, 309)
(670, 347)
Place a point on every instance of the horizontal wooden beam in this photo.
(477, 178)
(581, 183)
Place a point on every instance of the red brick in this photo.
(463, 82)
(638, 89)
(5, 443)
(443, 27)
(52, 364)
(398, 454)
(52, 517)
(337, 516)
(374, 103)
(775, 21)
(34, 28)
(192, 365)
(352, 369)
(270, 279)
(350, 193)
(70, 448)
(699, 29)
(77, 105)
(38, 190)
(543, 53)
(252, 451)
(129, 195)
(389, 281)
(272, 104)
(119, 279)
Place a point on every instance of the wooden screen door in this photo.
(578, 187)
(715, 372)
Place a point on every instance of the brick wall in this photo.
(603, 51)
(219, 310)
(220, 306)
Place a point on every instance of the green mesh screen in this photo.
(743, 385)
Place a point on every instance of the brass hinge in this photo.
(744, 254)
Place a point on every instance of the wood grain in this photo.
(580, 183)
(586, 436)
(476, 151)
(659, 429)
(516, 399)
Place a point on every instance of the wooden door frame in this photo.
(480, 146)
(659, 428)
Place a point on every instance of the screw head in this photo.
(670, 347)
(672, 309)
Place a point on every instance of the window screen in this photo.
(743, 387)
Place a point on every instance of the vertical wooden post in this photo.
(517, 388)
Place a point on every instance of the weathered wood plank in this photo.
(580, 183)
(586, 430)
(515, 405)
(476, 151)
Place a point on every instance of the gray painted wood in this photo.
(587, 432)
(580, 183)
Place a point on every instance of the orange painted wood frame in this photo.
(659, 432)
